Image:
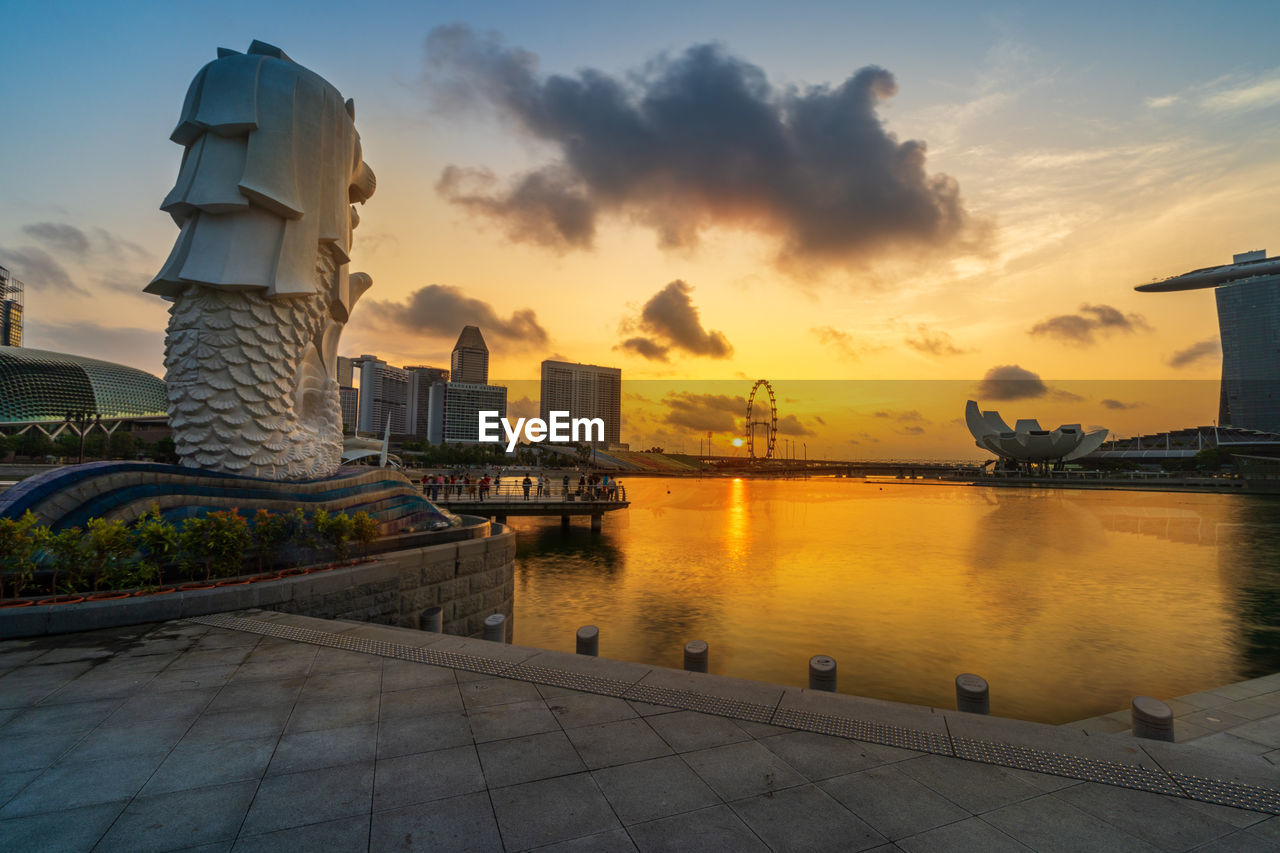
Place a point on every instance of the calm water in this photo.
(1068, 602)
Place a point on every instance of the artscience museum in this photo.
(1026, 443)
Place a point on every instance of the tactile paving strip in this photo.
(1133, 776)
(881, 733)
(1115, 773)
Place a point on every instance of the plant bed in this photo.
(16, 602)
(142, 593)
(190, 586)
(61, 599)
(107, 596)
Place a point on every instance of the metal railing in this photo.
(513, 489)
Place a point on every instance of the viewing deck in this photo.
(511, 498)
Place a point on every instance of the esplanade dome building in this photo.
(39, 386)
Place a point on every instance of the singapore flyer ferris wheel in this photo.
(756, 418)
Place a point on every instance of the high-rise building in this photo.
(470, 360)
(346, 372)
(463, 403)
(422, 380)
(349, 399)
(1248, 296)
(584, 391)
(10, 310)
(384, 397)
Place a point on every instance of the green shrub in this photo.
(229, 539)
(20, 541)
(66, 552)
(193, 546)
(366, 530)
(336, 529)
(107, 548)
(157, 544)
(269, 530)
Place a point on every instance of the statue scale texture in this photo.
(259, 274)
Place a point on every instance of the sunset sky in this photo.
(709, 191)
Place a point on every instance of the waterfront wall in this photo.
(469, 579)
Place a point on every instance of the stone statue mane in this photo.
(259, 275)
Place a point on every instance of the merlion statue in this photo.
(258, 276)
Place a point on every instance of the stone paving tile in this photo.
(685, 731)
(647, 790)
(426, 776)
(38, 751)
(971, 834)
(173, 680)
(1165, 822)
(239, 725)
(709, 830)
(1228, 745)
(615, 841)
(1048, 823)
(1266, 731)
(644, 709)
(515, 720)
(145, 706)
(461, 824)
(1256, 708)
(197, 764)
(1213, 719)
(180, 819)
(12, 783)
(71, 717)
(823, 756)
(274, 670)
(329, 687)
(338, 714)
(341, 660)
(620, 742)
(585, 709)
(311, 750)
(69, 784)
(65, 831)
(529, 758)
(742, 770)
(805, 818)
(407, 735)
(129, 739)
(340, 836)
(233, 656)
(892, 802)
(403, 675)
(497, 691)
(436, 699)
(974, 787)
(551, 810)
(256, 694)
(1206, 699)
(1243, 841)
(311, 796)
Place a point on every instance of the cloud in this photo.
(440, 309)
(1080, 329)
(1011, 382)
(931, 342)
(1118, 405)
(672, 321)
(60, 237)
(36, 268)
(842, 342)
(1194, 354)
(523, 408)
(1249, 95)
(907, 417)
(704, 412)
(791, 425)
(911, 430)
(693, 141)
(136, 347)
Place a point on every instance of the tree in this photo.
(122, 445)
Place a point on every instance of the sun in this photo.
(737, 442)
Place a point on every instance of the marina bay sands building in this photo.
(1248, 295)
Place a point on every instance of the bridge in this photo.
(511, 498)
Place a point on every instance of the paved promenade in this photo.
(265, 731)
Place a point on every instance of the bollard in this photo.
(433, 619)
(495, 628)
(695, 656)
(1152, 719)
(589, 640)
(822, 673)
(973, 696)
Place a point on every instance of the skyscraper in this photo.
(10, 310)
(384, 397)
(463, 403)
(426, 420)
(470, 360)
(584, 391)
(1248, 296)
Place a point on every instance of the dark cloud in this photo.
(1011, 382)
(692, 141)
(931, 342)
(60, 237)
(1081, 329)
(842, 342)
(912, 430)
(37, 269)
(672, 322)
(439, 309)
(1118, 405)
(791, 425)
(903, 417)
(1194, 354)
(704, 412)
